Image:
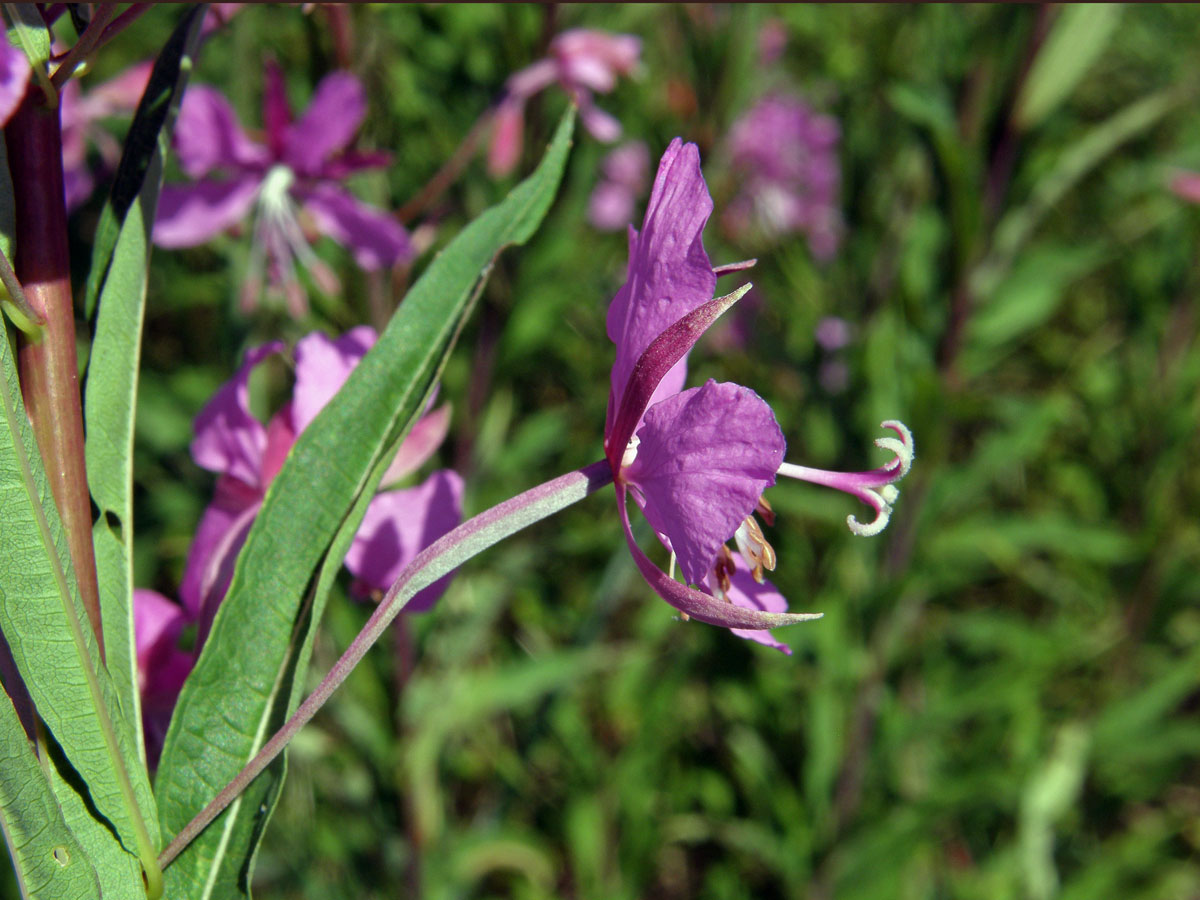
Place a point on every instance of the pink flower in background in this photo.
(623, 178)
(81, 116)
(162, 665)
(292, 183)
(247, 455)
(697, 461)
(583, 61)
(786, 156)
(14, 76)
(1186, 185)
(772, 41)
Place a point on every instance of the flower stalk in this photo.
(435, 561)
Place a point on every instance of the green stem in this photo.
(440, 558)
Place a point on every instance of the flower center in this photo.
(630, 453)
(273, 195)
(753, 548)
(279, 239)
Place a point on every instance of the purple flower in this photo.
(14, 76)
(787, 158)
(582, 61)
(247, 456)
(293, 182)
(162, 665)
(623, 174)
(1186, 185)
(81, 114)
(697, 461)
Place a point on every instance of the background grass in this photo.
(1001, 699)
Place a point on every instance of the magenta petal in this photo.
(156, 621)
(193, 214)
(745, 592)
(322, 367)
(77, 184)
(229, 440)
(14, 75)
(215, 545)
(610, 207)
(420, 444)
(208, 136)
(1187, 185)
(599, 124)
(328, 125)
(399, 525)
(508, 123)
(277, 114)
(659, 373)
(377, 240)
(122, 92)
(162, 666)
(697, 604)
(669, 272)
(704, 459)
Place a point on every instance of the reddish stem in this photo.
(48, 367)
(450, 170)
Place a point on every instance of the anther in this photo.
(754, 548)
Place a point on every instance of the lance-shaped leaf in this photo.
(54, 648)
(119, 261)
(47, 860)
(241, 683)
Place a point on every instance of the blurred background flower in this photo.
(293, 183)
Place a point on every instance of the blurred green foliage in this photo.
(1001, 699)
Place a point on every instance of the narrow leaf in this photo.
(119, 277)
(1077, 38)
(47, 860)
(227, 705)
(1080, 158)
(29, 32)
(54, 650)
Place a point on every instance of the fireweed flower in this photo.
(697, 461)
(786, 155)
(623, 178)
(81, 116)
(293, 184)
(162, 664)
(247, 455)
(582, 61)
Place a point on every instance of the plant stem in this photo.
(449, 172)
(439, 558)
(86, 44)
(48, 366)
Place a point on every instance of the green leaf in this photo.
(29, 32)
(1078, 37)
(118, 278)
(241, 685)
(53, 648)
(1076, 161)
(47, 860)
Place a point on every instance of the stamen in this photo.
(754, 548)
(723, 569)
(764, 510)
